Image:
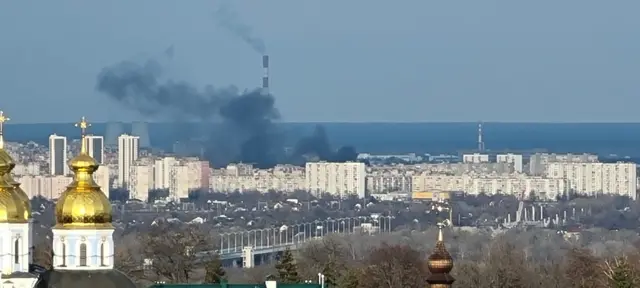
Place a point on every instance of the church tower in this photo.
(83, 246)
(440, 264)
(15, 223)
(83, 234)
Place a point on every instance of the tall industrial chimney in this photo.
(265, 75)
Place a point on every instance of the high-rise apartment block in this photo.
(515, 159)
(178, 176)
(95, 147)
(475, 158)
(58, 155)
(538, 162)
(127, 154)
(49, 187)
(140, 181)
(597, 178)
(340, 179)
(243, 177)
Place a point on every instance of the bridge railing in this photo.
(289, 235)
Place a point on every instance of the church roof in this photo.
(85, 278)
(226, 285)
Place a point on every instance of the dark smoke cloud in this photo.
(240, 125)
(230, 20)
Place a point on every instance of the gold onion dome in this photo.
(440, 264)
(83, 205)
(14, 202)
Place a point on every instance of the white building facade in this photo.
(339, 179)
(58, 155)
(597, 178)
(128, 147)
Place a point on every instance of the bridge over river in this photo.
(254, 247)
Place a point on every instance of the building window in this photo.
(64, 254)
(16, 251)
(83, 254)
(102, 254)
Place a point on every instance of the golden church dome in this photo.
(11, 207)
(440, 260)
(20, 194)
(6, 162)
(15, 206)
(440, 264)
(83, 205)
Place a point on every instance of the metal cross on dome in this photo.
(3, 118)
(83, 124)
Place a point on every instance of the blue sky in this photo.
(334, 60)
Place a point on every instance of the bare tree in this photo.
(394, 266)
(174, 253)
(43, 254)
(127, 255)
(620, 273)
(582, 268)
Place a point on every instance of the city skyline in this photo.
(427, 61)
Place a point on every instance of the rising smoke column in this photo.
(228, 19)
(244, 121)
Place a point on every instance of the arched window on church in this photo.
(16, 251)
(102, 255)
(83, 254)
(64, 254)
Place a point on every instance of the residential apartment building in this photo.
(515, 159)
(519, 185)
(47, 186)
(475, 158)
(101, 177)
(242, 177)
(538, 162)
(340, 179)
(388, 180)
(597, 178)
(32, 168)
(141, 181)
(58, 155)
(128, 148)
(178, 175)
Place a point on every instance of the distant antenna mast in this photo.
(480, 142)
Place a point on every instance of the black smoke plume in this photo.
(240, 125)
(230, 20)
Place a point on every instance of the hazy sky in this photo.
(355, 61)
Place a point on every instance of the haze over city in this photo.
(319, 144)
(355, 61)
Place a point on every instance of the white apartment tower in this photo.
(341, 179)
(95, 147)
(162, 172)
(58, 155)
(597, 178)
(141, 181)
(475, 158)
(127, 154)
(515, 159)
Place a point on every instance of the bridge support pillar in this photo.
(248, 257)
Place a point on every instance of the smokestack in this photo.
(265, 75)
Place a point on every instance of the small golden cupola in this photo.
(14, 203)
(83, 205)
(440, 264)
